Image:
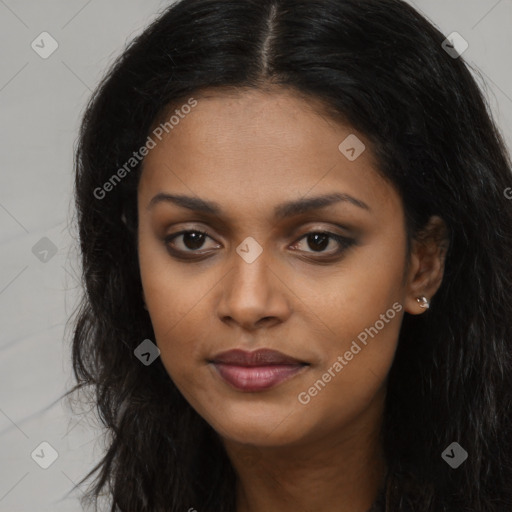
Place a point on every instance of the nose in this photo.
(254, 296)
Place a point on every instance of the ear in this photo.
(426, 264)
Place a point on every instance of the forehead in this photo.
(259, 147)
(237, 124)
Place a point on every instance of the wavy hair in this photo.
(379, 66)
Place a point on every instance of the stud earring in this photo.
(423, 302)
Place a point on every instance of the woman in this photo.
(296, 243)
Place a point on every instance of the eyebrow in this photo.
(282, 211)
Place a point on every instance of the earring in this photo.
(423, 302)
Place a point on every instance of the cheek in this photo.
(354, 367)
(354, 296)
(172, 289)
(174, 298)
(181, 333)
(363, 312)
(175, 308)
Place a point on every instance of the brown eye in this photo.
(192, 240)
(318, 241)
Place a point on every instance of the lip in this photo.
(260, 357)
(258, 370)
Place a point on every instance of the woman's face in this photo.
(258, 280)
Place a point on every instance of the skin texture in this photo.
(249, 152)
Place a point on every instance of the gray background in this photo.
(41, 101)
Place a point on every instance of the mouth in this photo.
(258, 370)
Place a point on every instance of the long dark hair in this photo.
(379, 66)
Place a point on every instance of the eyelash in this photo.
(344, 242)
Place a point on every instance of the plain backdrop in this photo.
(41, 102)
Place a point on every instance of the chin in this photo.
(260, 425)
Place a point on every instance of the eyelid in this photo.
(172, 236)
(344, 242)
